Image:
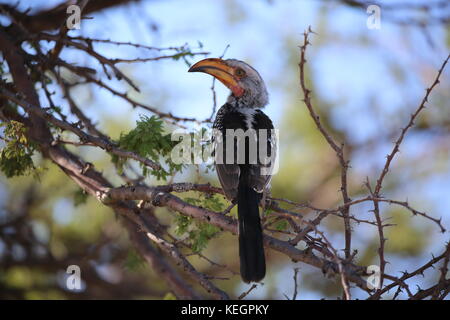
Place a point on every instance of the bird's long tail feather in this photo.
(251, 249)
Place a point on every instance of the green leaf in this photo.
(182, 224)
(149, 141)
(198, 232)
(169, 296)
(134, 261)
(15, 156)
(202, 235)
(79, 197)
(281, 225)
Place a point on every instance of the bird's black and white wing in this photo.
(260, 173)
(228, 173)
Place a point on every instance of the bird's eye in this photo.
(240, 72)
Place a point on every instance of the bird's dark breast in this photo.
(228, 118)
(231, 118)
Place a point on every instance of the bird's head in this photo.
(246, 85)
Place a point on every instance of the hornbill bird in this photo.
(244, 180)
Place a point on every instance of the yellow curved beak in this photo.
(219, 69)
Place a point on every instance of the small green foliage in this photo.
(213, 203)
(278, 224)
(184, 52)
(149, 141)
(79, 197)
(182, 224)
(169, 296)
(202, 235)
(210, 168)
(15, 156)
(56, 109)
(198, 232)
(133, 261)
(209, 201)
(281, 225)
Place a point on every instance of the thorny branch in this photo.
(339, 150)
(375, 195)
